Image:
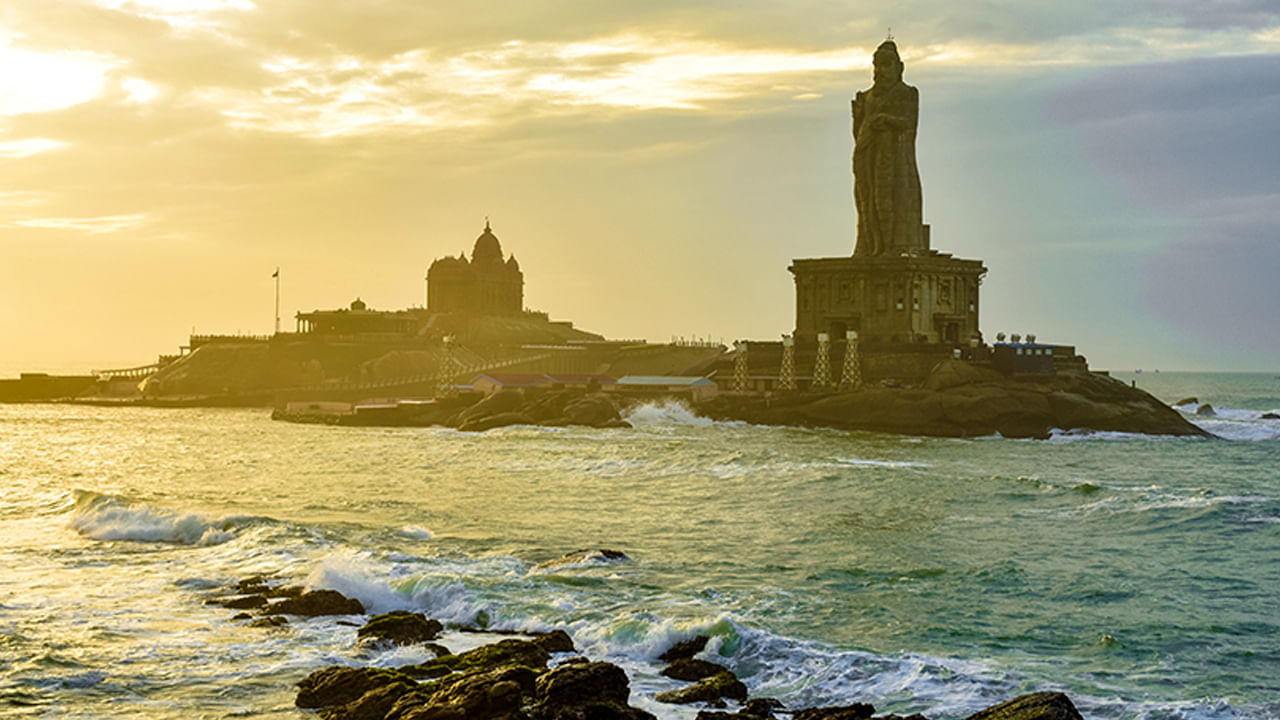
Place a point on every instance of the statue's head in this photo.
(886, 64)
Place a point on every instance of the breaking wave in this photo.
(666, 412)
(104, 517)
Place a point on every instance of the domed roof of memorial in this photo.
(487, 248)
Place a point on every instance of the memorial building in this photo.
(894, 288)
(484, 285)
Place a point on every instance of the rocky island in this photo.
(955, 400)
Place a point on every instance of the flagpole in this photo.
(277, 277)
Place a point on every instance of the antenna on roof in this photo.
(486, 223)
(888, 34)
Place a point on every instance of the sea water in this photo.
(1140, 575)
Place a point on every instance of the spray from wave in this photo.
(665, 412)
(103, 517)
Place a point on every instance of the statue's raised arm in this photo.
(886, 182)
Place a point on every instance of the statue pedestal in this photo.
(929, 298)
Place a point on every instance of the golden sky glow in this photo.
(159, 153)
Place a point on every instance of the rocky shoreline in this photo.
(956, 400)
(528, 676)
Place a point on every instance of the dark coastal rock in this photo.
(400, 628)
(595, 410)
(596, 681)
(578, 691)
(755, 709)
(505, 652)
(500, 402)
(1269, 416)
(685, 649)
(556, 641)
(337, 685)
(489, 422)
(958, 400)
(315, 603)
(1206, 410)
(375, 704)
(692, 670)
(721, 685)
(1033, 706)
(585, 691)
(549, 406)
(480, 695)
(269, 622)
(586, 555)
(1193, 400)
(856, 711)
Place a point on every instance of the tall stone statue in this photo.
(886, 183)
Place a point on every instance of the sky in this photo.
(654, 166)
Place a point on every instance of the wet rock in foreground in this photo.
(755, 709)
(685, 649)
(491, 687)
(400, 628)
(524, 653)
(341, 685)
(1033, 706)
(316, 603)
(721, 685)
(856, 711)
(692, 670)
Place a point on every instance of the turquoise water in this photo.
(1141, 575)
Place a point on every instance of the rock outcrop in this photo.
(960, 400)
(1033, 706)
(400, 628)
(316, 602)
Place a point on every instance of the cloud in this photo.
(27, 147)
(90, 225)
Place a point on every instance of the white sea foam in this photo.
(102, 517)
(351, 574)
(866, 462)
(1235, 424)
(381, 589)
(1241, 430)
(799, 673)
(1077, 434)
(666, 412)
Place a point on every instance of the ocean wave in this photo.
(1235, 423)
(865, 462)
(666, 412)
(381, 589)
(799, 673)
(1059, 435)
(108, 518)
(416, 532)
(1241, 430)
(803, 673)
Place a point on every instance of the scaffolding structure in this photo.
(851, 375)
(822, 364)
(741, 380)
(787, 373)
